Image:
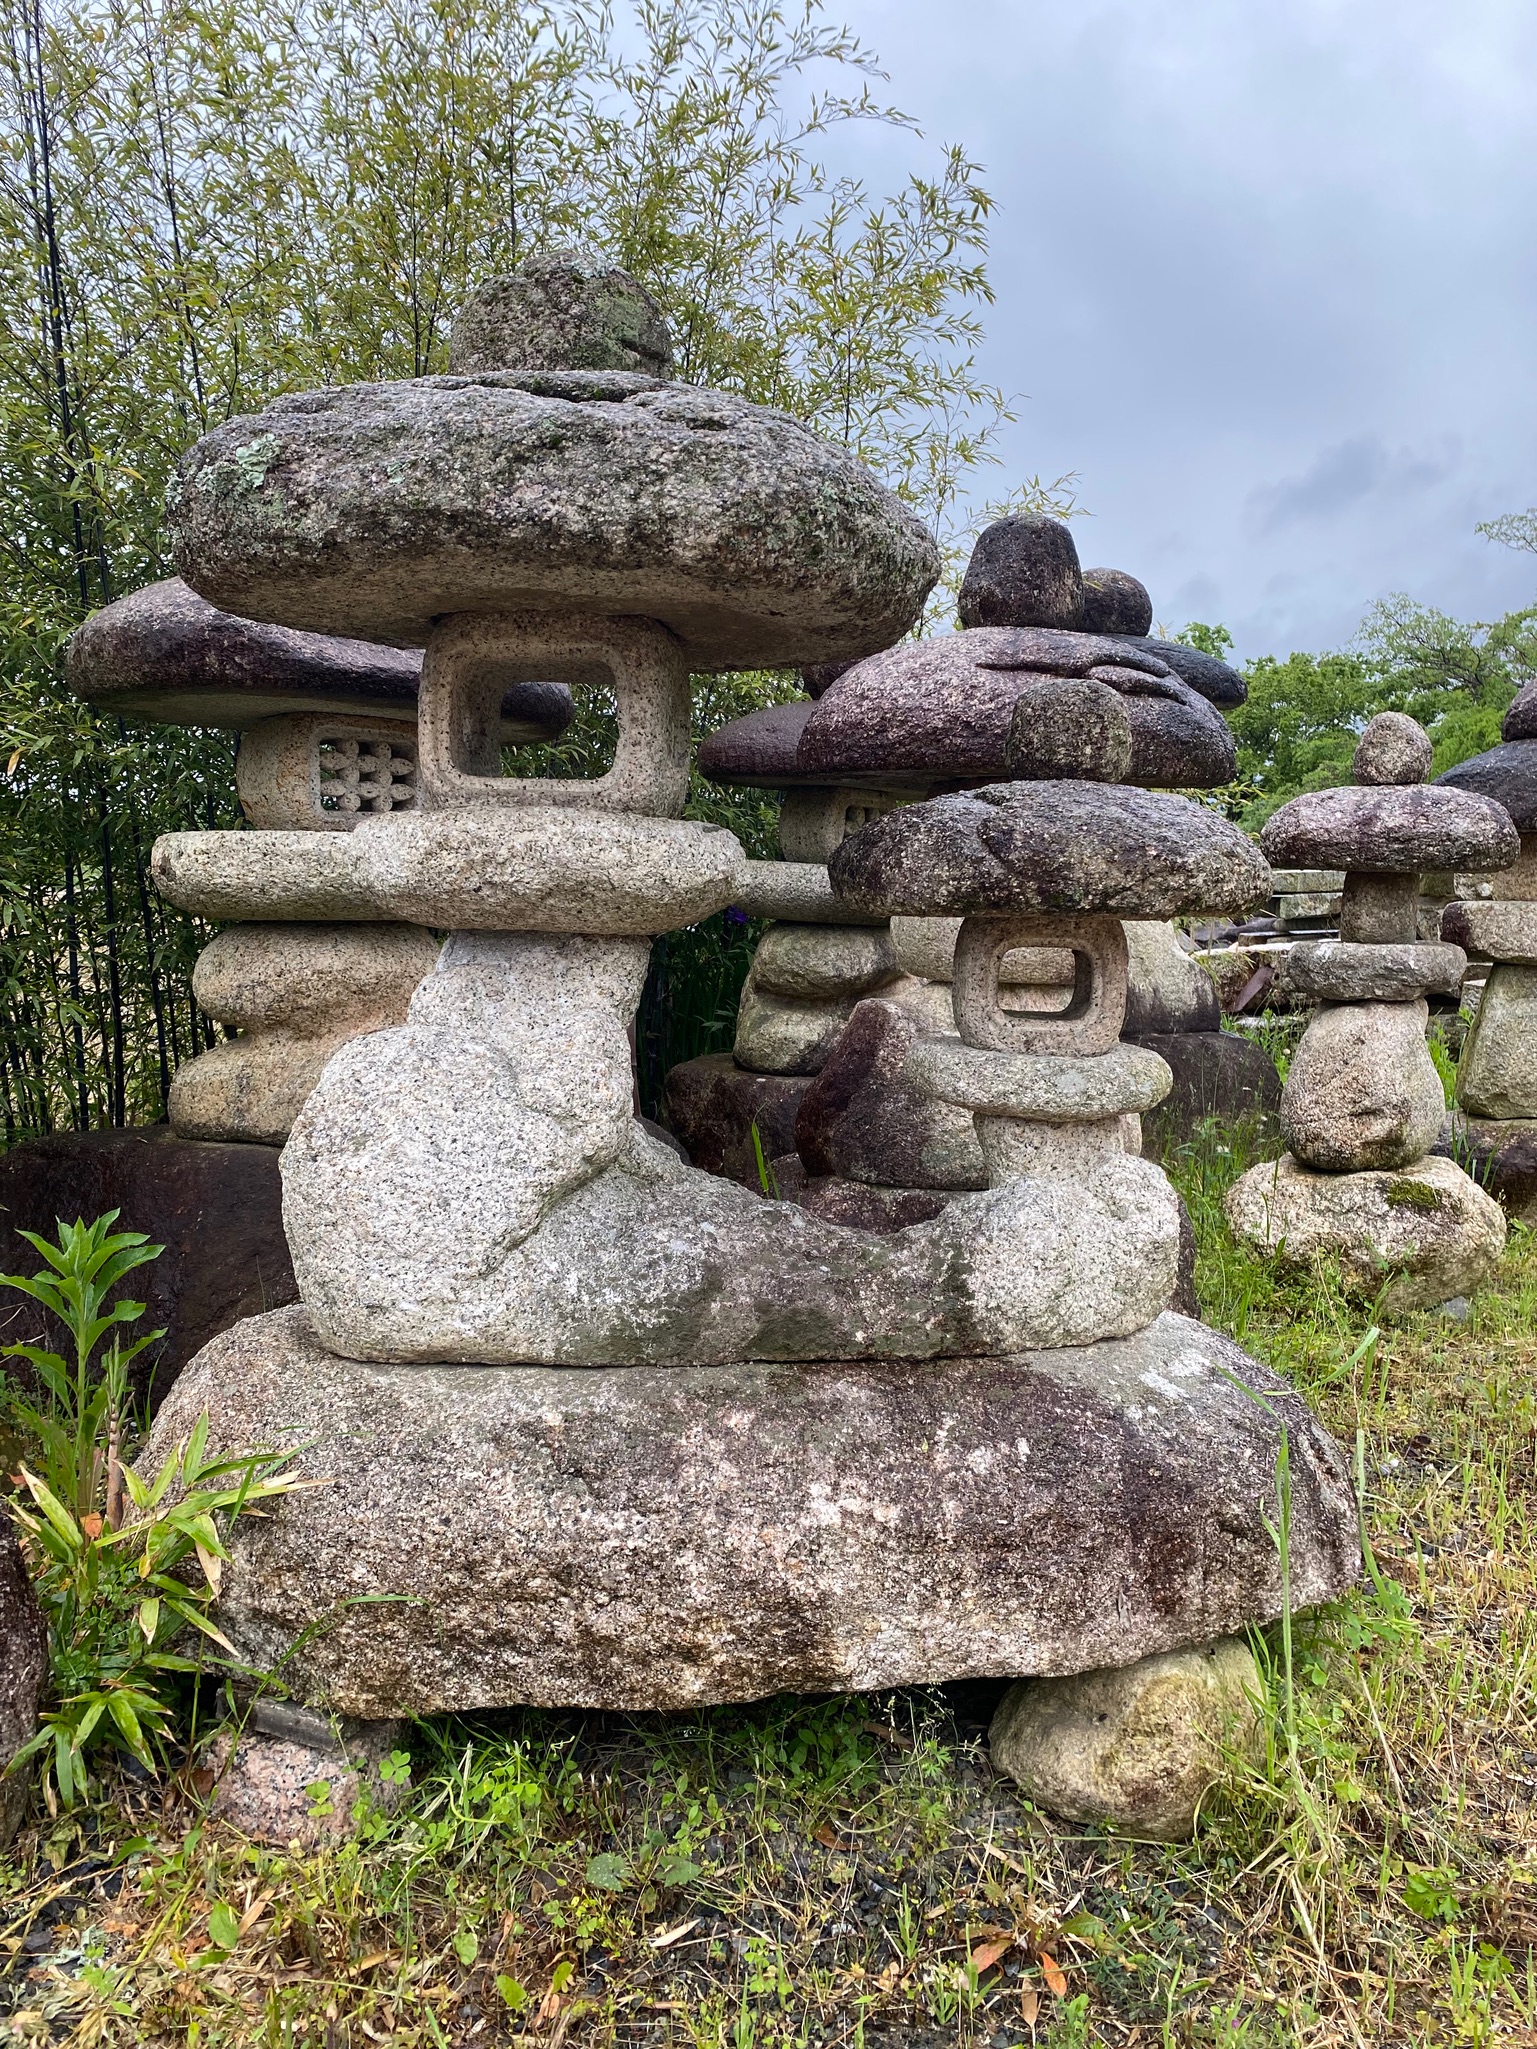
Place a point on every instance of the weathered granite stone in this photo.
(926, 946)
(1338, 971)
(855, 1204)
(267, 1776)
(1216, 1074)
(635, 1539)
(471, 658)
(1088, 1024)
(813, 820)
(1519, 880)
(308, 773)
(931, 1005)
(1362, 1089)
(1401, 830)
(942, 709)
(1214, 679)
(1498, 1074)
(824, 960)
(1506, 774)
(23, 1673)
(1379, 910)
(447, 1178)
(556, 870)
(786, 1034)
(1114, 602)
(568, 310)
(1500, 1153)
(165, 653)
(864, 1119)
(1439, 1233)
(1023, 572)
(759, 750)
(1135, 1748)
(712, 1104)
(1520, 721)
(294, 993)
(1074, 728)
(1047, 847)
(1393, 749)
(1166, 989)
(377, 509)
(217, 1209)
(1049, 1087)
(797, 893)
(1504, 928)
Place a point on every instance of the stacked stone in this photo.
(1495, 1132)
(735, 1112)
(327, 740)
(840, 1130)
(1363, 1104)
(795, 1453)
(1053, 667)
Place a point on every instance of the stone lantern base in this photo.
(640, 1538)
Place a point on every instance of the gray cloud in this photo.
(1338, 478)
(1263, 272)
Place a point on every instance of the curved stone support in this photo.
(473, 1186)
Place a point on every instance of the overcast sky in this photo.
(1265, 279)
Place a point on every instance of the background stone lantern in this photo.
(1496, 1135)
(327, 739)
(1363, 1103)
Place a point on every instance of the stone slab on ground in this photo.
(634, 1538)
(217, 1209)
(1216, 1074)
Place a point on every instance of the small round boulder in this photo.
(568, 310)
(1077, 728)
(1023, 572)
(1050, 847)
(1393, 748)
(1114, 602)
(1136, 1748)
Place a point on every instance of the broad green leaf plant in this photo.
(110, 1550)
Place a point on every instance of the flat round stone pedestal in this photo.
(652, 1538)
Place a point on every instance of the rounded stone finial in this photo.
(1023, 572)
(568, 310)
(1115, 602)
(1392, 748)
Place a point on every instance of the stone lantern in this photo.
(327, 739)
(795, 1455)
(1363, 1103)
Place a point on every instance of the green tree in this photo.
(1300, 724)
(201, 206)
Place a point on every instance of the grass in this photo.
(850, 1871)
